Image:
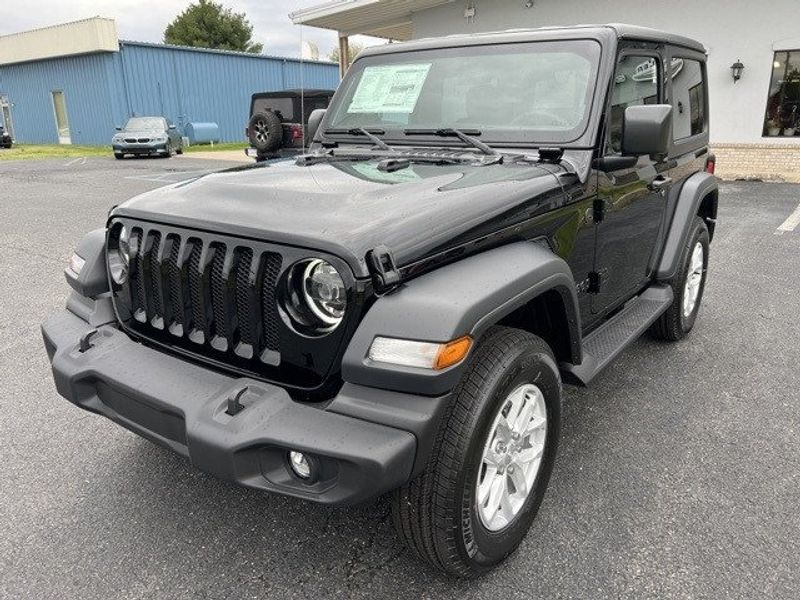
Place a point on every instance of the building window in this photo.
(783, 102)
(689, 98)
(635, 83)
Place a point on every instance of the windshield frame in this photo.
(576, 137)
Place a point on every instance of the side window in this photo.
(688, 98)
(636, 82)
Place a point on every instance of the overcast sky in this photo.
(145, 20)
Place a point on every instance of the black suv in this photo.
(5, 138)
(478, 219)
(278, 119)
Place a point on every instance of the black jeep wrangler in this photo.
(278, 120)
(478, 219)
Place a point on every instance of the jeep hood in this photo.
(348, 208)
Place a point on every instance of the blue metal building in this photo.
(95, 92)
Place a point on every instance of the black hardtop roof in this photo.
(294, 93)
(618, 30)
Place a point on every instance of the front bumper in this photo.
(148, 148)
(365, 441)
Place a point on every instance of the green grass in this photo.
(226, 146)
(41, 151)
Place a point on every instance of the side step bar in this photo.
(604, 344)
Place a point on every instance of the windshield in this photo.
(143, 123)
(530, 92)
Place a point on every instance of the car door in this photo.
(632, 198)
(173, 134)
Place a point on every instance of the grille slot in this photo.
(269, 305)
(243, 296)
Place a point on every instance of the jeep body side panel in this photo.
(464, 298)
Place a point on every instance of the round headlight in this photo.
(316, 296)
(324, 291)
(119, 256)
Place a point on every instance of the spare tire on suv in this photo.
(265, 132)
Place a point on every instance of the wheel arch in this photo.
(697, 196)
(522, 284)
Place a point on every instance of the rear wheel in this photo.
(491, 461)
(179, 149)
(687, 285)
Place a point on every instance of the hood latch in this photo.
(382, 268)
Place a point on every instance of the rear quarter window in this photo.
(283, 107)
(688, 98)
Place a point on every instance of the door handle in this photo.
(659, 183)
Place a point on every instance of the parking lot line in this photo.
(790, 223)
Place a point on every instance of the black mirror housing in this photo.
(647, 129)
(314, 119)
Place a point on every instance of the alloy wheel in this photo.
(694, 278)
(512, 456)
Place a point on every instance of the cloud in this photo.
(145, 20)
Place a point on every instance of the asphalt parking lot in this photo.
(678, 474)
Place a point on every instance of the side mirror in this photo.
(314, 119)
(647, 129)
(118, 128)
(172, 127)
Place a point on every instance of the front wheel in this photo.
(491, 461)
(687, 285)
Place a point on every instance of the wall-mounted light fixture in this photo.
(736, 70)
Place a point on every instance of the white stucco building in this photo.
(755, 121)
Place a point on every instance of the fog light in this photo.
(300, 463)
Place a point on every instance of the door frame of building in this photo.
(8, 121)
(62, 129)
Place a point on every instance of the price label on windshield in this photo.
(389, 89)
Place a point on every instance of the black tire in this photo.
(179, 149)
(265, 132)
(168, 149)
(674, 325)
(436, 514)
(119, 155)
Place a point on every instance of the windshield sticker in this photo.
(389, 89)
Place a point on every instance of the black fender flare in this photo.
(690, 195)
(463, 298)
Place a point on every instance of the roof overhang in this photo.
(390, 19)
(67, 39)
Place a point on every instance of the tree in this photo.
(352, 51)
(207, 24)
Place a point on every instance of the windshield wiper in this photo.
(460, 134)
(369, 134)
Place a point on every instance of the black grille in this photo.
(206, 292)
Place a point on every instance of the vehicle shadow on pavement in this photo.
(243, 542)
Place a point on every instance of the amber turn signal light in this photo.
(452, 353)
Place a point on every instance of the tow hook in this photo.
(86, 341)
(234, 406)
